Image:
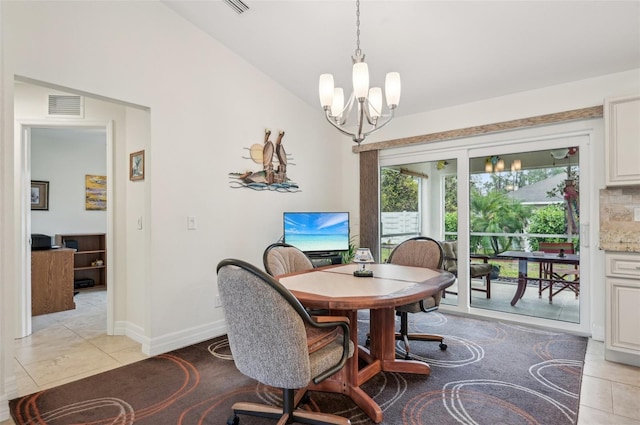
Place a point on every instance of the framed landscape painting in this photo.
(96, 192)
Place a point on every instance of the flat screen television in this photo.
(317, 232)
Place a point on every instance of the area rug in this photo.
(491, 373)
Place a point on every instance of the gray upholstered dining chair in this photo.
(281, 258)
(277, 343)
(420, 251)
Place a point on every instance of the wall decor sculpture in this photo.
(270, 177)
(96, 192)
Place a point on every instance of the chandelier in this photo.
(368, 100)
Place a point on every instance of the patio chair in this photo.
(477, 270)
(558, 277)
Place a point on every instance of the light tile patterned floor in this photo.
(67, 346)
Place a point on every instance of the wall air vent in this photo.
(65, 106)
(238, 5)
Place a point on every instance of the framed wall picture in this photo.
(96, 192)
(39, 195)
(136, 166)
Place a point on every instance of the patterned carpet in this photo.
(492, 373)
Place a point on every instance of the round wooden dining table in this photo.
(337, 289)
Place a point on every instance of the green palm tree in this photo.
(495, 213)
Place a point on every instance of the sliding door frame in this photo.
(530, 138)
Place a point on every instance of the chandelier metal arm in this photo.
(360, 136)
(361, 112)
(327, 111)
(378, 126)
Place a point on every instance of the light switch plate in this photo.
(636, 214)
(191, 223)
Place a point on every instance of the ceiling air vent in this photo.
(238, 5)
(65, 106)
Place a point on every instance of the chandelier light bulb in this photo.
(326, 89)
(392, 89)
(516, 165)
(337, 105)
(360, 80)
(375, 102)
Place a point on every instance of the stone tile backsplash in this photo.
(618, 230)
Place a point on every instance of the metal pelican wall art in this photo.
(270, 177)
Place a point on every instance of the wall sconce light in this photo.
(362, 258)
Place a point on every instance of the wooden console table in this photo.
(51, 281)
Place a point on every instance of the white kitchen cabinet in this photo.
(622, 140)
(622, 340)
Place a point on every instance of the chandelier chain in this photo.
(358, 51)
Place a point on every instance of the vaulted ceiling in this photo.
(447, 52)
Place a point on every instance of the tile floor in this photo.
(70, 345)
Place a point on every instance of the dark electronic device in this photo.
(83, 283)
(40, 241)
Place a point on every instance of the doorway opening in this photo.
(65, 156)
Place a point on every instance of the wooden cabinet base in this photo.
(51, 281)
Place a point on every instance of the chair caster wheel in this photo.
(408, 357)
(368, 341)
(443, 346)
(233, 420)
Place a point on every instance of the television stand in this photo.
(320, 259)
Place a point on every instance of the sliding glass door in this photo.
(526, 203)
(492, 205)
(416, 199)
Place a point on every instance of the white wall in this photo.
(548, 100)
(206, 106)
(64, 164)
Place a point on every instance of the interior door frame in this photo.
(23, 128)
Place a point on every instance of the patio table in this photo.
(524, 257)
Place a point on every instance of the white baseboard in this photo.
(11, 387)
(173, 341)
(621, 357)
